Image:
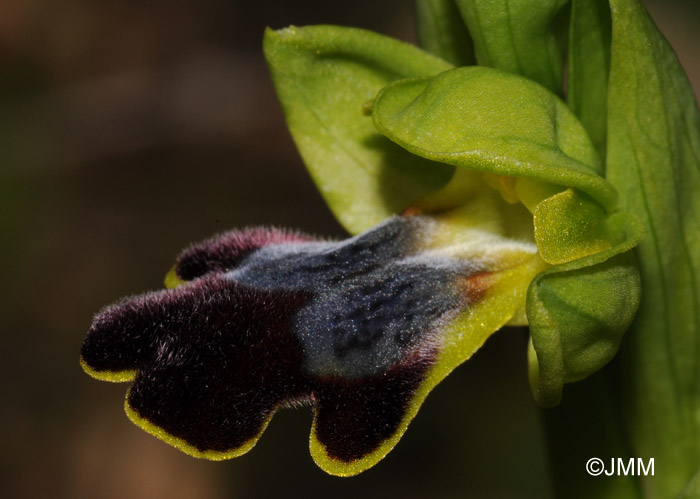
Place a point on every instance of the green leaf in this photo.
(579, 311)
(589, 64)
(517, 36)
(442, 32)
(654, 161)
(323, 76)
(491, 121)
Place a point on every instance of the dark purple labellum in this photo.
(268, 318)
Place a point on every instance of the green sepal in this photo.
(491, 121)
(442, 31)
(324, 75)
(579, 311)
(518, 37)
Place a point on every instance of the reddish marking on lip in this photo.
(411, 211)
(475, 285)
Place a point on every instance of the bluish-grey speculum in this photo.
(374, 300)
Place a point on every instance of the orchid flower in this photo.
(475, 198)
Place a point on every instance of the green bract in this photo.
(518, 37)
(443, 33)
(589, 63)
(654, 160)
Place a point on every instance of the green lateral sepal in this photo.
(324, 75)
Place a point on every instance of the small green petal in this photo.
(569, 226)
(578, 312)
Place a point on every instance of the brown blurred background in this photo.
(130, 129)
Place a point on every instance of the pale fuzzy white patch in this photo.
(485, 250)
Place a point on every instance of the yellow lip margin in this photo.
(183, 445)
(172, 280)
(463, 336)
(162, 434)
(111, 376)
